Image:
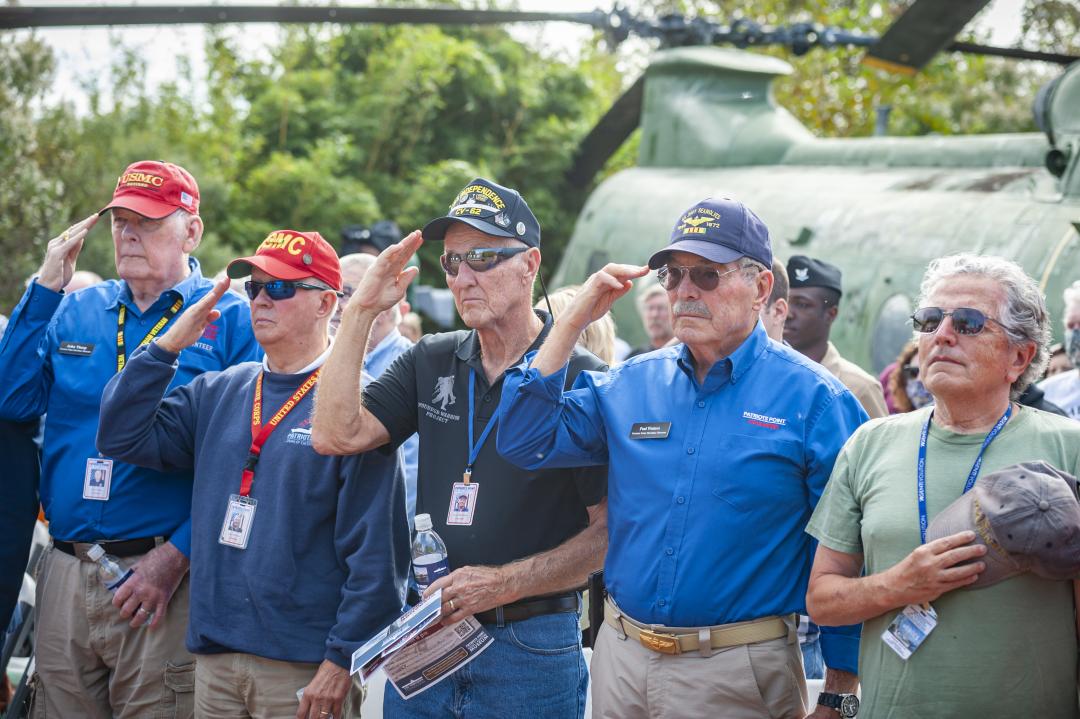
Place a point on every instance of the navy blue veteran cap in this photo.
(805, 271)
(494, 210)
(720, 230)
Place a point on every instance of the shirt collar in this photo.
(468, 348)
(735, 365)
(185, 288)
(391, 338)
(317, 363)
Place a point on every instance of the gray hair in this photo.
(1072, 294)
(1023, 314)
(751, 268)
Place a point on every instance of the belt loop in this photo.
(500, 617)
(792, 622)
(704, 639)
(618, 618)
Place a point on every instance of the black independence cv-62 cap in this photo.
(493, 209)
(805, 271)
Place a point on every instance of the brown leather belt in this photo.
(529, 608)
(121, 548)
(664, 640)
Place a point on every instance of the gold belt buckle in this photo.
(661, 643)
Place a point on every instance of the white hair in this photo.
(1023, 314)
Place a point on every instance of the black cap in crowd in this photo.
(805, 271)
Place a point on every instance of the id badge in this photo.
(462, 503)
(236, 529)
(98, 479)
(909, 629)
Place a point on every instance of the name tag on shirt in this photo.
(909, 629)
(236, 529)
(98, 479)
(650, 430)
(76, 349)
(463, 503)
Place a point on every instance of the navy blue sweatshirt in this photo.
(328, 553)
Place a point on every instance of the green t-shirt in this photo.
(1007, 650)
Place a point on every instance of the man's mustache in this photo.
(692, 308)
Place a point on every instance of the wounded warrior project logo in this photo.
(441, 398)
(698, 221)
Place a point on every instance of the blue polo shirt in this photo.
(710, 485)
(56, 356)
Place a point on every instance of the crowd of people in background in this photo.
(258, 447)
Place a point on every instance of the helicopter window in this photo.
(892, 330)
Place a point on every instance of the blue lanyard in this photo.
(474, 449)
(972, 476)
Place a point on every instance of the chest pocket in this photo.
(758, 474)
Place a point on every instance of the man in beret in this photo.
(813, 303)
(93, 657)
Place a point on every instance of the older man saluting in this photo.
(281, 596)
(56, 357)
(718, 449)
(523, 548)
(983, 333)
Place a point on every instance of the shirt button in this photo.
(701, 403)
(669, 551)
(680, 500)
(663, 602)
(689, 450)
(487, 397)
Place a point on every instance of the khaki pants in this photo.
(748, 681)
(239, 686)
(91, 664)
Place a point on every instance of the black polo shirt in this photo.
(518, 512)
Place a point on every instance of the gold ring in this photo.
(64, 236)
(452, 607)
(144, 611)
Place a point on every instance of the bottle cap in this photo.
(422, 522)
(95, 552)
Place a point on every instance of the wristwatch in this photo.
(846, 704)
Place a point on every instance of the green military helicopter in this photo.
(873, 206)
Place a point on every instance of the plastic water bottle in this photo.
(429, 553)
(112, 572)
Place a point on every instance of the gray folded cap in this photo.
(1028, 517)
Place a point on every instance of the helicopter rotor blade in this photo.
(926, 28)
(26, 16)
(607, 136)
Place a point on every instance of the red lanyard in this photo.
(261, 432)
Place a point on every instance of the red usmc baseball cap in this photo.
(155, 189)
(292, 255)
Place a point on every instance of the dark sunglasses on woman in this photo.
(965, 320)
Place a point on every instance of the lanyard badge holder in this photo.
(909, 629)
(464, 493)
(240, 513)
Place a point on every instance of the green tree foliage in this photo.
(342, 125)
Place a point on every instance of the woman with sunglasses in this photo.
(982, 333)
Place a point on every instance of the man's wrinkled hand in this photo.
(151, 586)
(189, 326)
(935, 568)
(61, 254)
(325, 695)
(384, 284)
(469, 590)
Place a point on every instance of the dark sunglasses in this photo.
(965, 320)
(479, 260)
(910, 371)
(705, 277)
(277, 289)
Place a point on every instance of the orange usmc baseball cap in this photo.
(292, 255)
(155, 189)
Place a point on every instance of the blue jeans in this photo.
(534, 668)
(813, 661)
